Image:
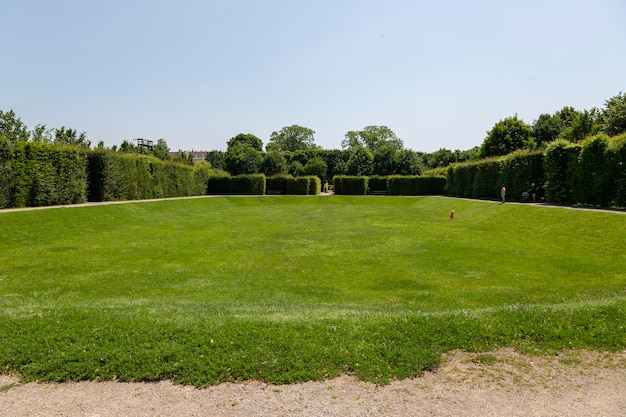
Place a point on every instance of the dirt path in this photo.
(502, 383)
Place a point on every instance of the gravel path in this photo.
(502, 383)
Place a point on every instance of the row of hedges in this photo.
(258, 184)
(224, 184)
(43, 174)
(393, 185)
(591, 173)
(119, 176)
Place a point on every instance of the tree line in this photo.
(374, 150)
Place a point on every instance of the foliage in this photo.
(505, 137)
(274, 163)
(560, 167)
(12, 127)
(409, 163)
(277, 184)
(385, 160)
(377, 183)
(65, 136)
(361, 162)
(594, 180)
(372, 138)
(245, 139)
(291, 289)
(43, 174)
(402, 185)
(520, 170)
(292, 138)
(240, 160)
(614, 115)
(298, 186)
(350, 185)
(217, 159)
(316, 167)
(252, 184)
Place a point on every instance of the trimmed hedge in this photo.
(402, 185)
(350, 185)
(247, 184)
(315, 185)
(298, 186)
(277, 184)
(43, 174)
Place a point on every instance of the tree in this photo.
(546, 129)
(246, 139)
(70, 137)
(12, 128)
(216, 159)
(505, 137)
(361, 162)
(292, 138)
(614, 115)
(317, 167)
(41, 134)
(372, 137)
(243, 160)
(161, 150)
(409, 163)
(582, 125)
(274, 163)
(385, 160)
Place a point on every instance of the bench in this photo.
(378, 192)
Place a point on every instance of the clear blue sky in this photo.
(440, 74)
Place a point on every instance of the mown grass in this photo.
(287, 289)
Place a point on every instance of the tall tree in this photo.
(361, 162)
(385, 160)
(546, 129)
(161, 150)
(216, 159)
(12, 128)
(316, 166)
(70, 137)
(372, 137)
(292, 138)
(505, 137)
(409, 163)
(274, 163)
(615, 115)
(246, 139)
(243, 160)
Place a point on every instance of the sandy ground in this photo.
(502, 383)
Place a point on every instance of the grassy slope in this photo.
(294, 288)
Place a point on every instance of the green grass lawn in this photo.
(293, 288)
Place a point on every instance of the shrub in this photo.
(315, 185)
(560, 162)
(277, 184)
(402, 185)
(427, 185)
(377, 183)
(298, 186)
(353, 185)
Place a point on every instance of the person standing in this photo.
(503, 194)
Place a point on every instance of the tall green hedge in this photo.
(298, 186)
(241, 184)
(560, 164)
(402, 185)
(43, 174)
(350, 185)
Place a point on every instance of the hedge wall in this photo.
(298, 186)
(253, 184)
(42, 174)
(350, 185)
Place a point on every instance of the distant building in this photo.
(145, 143)
(198, 156)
